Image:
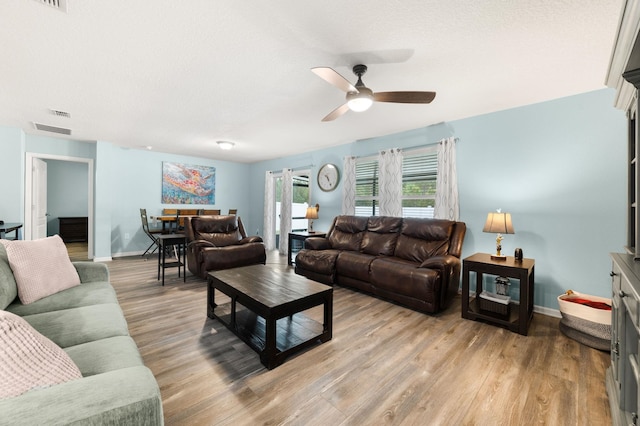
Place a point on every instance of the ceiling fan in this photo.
(360, 97)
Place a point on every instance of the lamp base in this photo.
(498, 257)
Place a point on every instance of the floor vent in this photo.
(52, 129)
(60, 5)
(59, 113)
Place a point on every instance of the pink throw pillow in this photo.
(28, 360)
(41, 267)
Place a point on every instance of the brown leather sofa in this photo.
(415, 262)
(220, 242)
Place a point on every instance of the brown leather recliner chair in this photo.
(220, 242)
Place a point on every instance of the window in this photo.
(419, 172)
(367, 203)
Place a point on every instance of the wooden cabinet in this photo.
(623, 376)
(74, 229)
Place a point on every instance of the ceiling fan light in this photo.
(226, 145)
(360, 101)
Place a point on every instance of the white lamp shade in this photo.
(498, 223)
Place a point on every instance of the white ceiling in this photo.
(180, 75)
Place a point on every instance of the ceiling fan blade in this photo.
(336, 112)
(332, 77)
(405, 97)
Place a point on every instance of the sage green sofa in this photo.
(86, 321)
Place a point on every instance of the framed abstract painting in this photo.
(188, 184)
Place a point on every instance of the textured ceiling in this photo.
(178, 76)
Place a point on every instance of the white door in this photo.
(39, 200)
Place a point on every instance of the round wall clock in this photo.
(328, 177)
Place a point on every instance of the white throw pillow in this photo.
(28, 360)
(41, 267)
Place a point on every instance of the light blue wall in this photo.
(12, 142)
(557, 167)
(67, 192)
(130, 179)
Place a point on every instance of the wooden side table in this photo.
(301, 236)
(520, 315)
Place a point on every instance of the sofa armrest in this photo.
(90, 272)
(126, 396)
(251, 239)
(200, 244)
(441, 262)
(317, 243)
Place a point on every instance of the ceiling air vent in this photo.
(59, 113)
(60, 5)
(53, 129)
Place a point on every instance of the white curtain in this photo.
(447, 204)
(285, 210)
(390, 178)
(349, 186)
(269, 236)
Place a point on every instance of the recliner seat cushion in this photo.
(354, 265)
(217, 258)
(318, 261)
(406, 279)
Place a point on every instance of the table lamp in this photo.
(312, 213)
(498, 223)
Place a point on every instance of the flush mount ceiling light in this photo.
(226, 145)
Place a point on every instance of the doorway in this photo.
(300, 198)
(33, 187)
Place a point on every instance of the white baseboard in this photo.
(103, 259)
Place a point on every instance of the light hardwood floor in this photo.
(385, 364)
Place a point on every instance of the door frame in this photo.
(28, 192)
(278, 175)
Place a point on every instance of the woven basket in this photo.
(587, 325)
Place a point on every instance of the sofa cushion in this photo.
(347, 233)
(74, 326)
(319, 261)
(421, 239)
(100, 356)
(8, 286)
(28, 360)
(381, 235)
(354, 265)
(85, 294)
(404, 278)
(41, 267)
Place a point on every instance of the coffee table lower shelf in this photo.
(293, 334)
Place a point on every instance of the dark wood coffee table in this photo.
(266, 309)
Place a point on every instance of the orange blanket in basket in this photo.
(590, 303)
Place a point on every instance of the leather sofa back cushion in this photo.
(419, 241)
(219, 230)
(381, 235)
(347, 233)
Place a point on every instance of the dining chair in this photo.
(151, 232)
(233, 211)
